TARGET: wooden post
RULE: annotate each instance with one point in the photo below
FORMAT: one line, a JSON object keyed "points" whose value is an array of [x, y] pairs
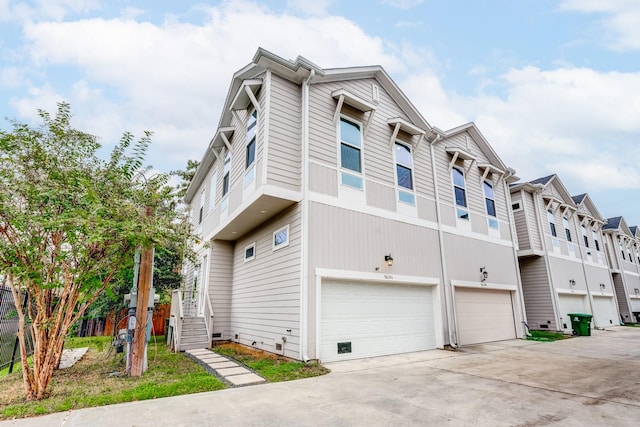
{"points": [[144, 285]]}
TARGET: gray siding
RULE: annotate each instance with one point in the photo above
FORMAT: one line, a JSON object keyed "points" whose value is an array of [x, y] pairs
{"points": [[520, 219], [537, 297], [465, 256], [220, 283], [266, 291], [284, 153]]}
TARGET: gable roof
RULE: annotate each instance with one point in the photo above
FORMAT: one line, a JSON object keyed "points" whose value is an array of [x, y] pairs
{"points": [[634, 230], [546, 181], [612, 223], [585, 200], [617, 225], [484, 146], [298, 71]]}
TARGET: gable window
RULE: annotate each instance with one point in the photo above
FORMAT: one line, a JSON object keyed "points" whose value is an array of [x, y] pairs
{"points": [[460, 193], [567, 230], [201, 209], [404, 174], [281, 237], [490, 203], [584, 236], [595, 240], [351, 154], [622, 251], [516, 206], [250, 252], [552, 224], [250, 155]]}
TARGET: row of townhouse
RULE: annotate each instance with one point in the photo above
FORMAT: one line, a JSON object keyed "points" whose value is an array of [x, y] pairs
{"points": [[571, 259], [337, 223]]}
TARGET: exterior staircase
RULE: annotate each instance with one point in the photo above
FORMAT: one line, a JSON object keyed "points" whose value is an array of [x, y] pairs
{"points": [[194, 334]]}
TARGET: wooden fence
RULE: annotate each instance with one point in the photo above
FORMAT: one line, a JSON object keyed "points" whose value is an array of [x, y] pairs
{"points": [[118, 320]]}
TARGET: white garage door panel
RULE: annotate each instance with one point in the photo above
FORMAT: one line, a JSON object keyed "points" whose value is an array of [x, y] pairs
{"points": [[604, 310], [377, 319], [572, 304], [635, 304], [484, 315]]}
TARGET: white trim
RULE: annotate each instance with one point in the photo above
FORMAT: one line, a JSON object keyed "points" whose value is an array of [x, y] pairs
{"points": [[571, 291], [376, 277], [477, 236], [360, 175], [398, 187], [246, 95], [252, 257], [519, 208], [283, 244], [602, 294], [485, 285]]}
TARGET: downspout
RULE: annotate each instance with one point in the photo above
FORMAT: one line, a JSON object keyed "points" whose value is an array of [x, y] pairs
{"points": [[514, 238], [448, 303], [304, 259], [552, 289]]}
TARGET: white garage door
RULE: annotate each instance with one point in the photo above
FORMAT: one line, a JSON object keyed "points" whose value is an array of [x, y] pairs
{"points": [[604, 312], [571, 304], [484, 315], [635, 304], [368, 319]]}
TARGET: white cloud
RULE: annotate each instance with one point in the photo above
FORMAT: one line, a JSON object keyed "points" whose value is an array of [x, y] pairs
{"points": [[310, 7], [620, 20], [57, 10]]}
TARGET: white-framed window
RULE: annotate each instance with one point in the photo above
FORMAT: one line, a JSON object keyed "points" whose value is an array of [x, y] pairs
{"points": [[490, 204], [622, 251], [250, 150], [596, 243], [351, 154], [585, 237], [213, 183], [250, 252], [201, 208], [459, 193], [281, 237], [226, 170], [404, 173], [517, 206], [567, 229], [552, 223]]}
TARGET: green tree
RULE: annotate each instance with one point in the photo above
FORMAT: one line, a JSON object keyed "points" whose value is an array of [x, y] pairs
{"points": [[69, 222]]}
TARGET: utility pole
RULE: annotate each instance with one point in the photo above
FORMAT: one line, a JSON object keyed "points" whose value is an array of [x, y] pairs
{"points": [[145, 277]]}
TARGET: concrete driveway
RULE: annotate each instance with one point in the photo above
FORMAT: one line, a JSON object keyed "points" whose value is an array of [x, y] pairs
{"points": [[583, 381]]}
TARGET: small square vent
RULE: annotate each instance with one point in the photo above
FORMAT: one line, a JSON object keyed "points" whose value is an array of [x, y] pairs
{"points": [[543, 326], [217, 335], [278, 346], [344, 347]]}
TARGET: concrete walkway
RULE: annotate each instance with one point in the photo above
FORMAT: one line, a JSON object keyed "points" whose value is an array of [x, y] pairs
{"points": [[224, 368]]}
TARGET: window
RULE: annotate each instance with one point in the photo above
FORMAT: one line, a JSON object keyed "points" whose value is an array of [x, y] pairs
{"points": [[250, 155], [567, 230], [351, 154], [489, 199], [281, 237], [552, 225], [622, 251], [225, 171], [516, 206], [250, 252], [460, 193], [201, 209], [404, 174], [585, 237], [595, 240]]}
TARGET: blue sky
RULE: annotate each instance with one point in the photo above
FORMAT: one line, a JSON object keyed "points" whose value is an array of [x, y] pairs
{"points": [[553, 85]]}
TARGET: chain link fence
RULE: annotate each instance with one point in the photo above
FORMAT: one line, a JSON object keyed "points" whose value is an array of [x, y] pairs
{"points": [[9, 347]]}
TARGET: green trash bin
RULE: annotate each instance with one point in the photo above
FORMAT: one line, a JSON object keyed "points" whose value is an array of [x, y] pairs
{"points": [[581, 324]]}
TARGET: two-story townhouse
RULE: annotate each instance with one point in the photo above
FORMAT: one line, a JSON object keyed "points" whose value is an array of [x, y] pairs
{"points": [[621, 244], [322, 200], [562, 264]]}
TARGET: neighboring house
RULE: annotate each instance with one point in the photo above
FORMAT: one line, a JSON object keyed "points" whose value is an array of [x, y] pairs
{"points": [[561, 254], [624, 257], [341, 225]]}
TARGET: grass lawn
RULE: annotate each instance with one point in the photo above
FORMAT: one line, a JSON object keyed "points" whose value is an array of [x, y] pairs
{"points": [[546, 336], [270, 366], [97, 380]]}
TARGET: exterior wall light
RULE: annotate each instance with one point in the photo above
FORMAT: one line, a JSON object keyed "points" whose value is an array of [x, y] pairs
{"points": [[602, 286], [572, 282], [484, 273], [389, 260]]}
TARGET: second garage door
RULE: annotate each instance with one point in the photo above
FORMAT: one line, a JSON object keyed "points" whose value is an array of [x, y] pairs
{"points": [[361, 319], [484, 315], [570, 303], [604, 311]]}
